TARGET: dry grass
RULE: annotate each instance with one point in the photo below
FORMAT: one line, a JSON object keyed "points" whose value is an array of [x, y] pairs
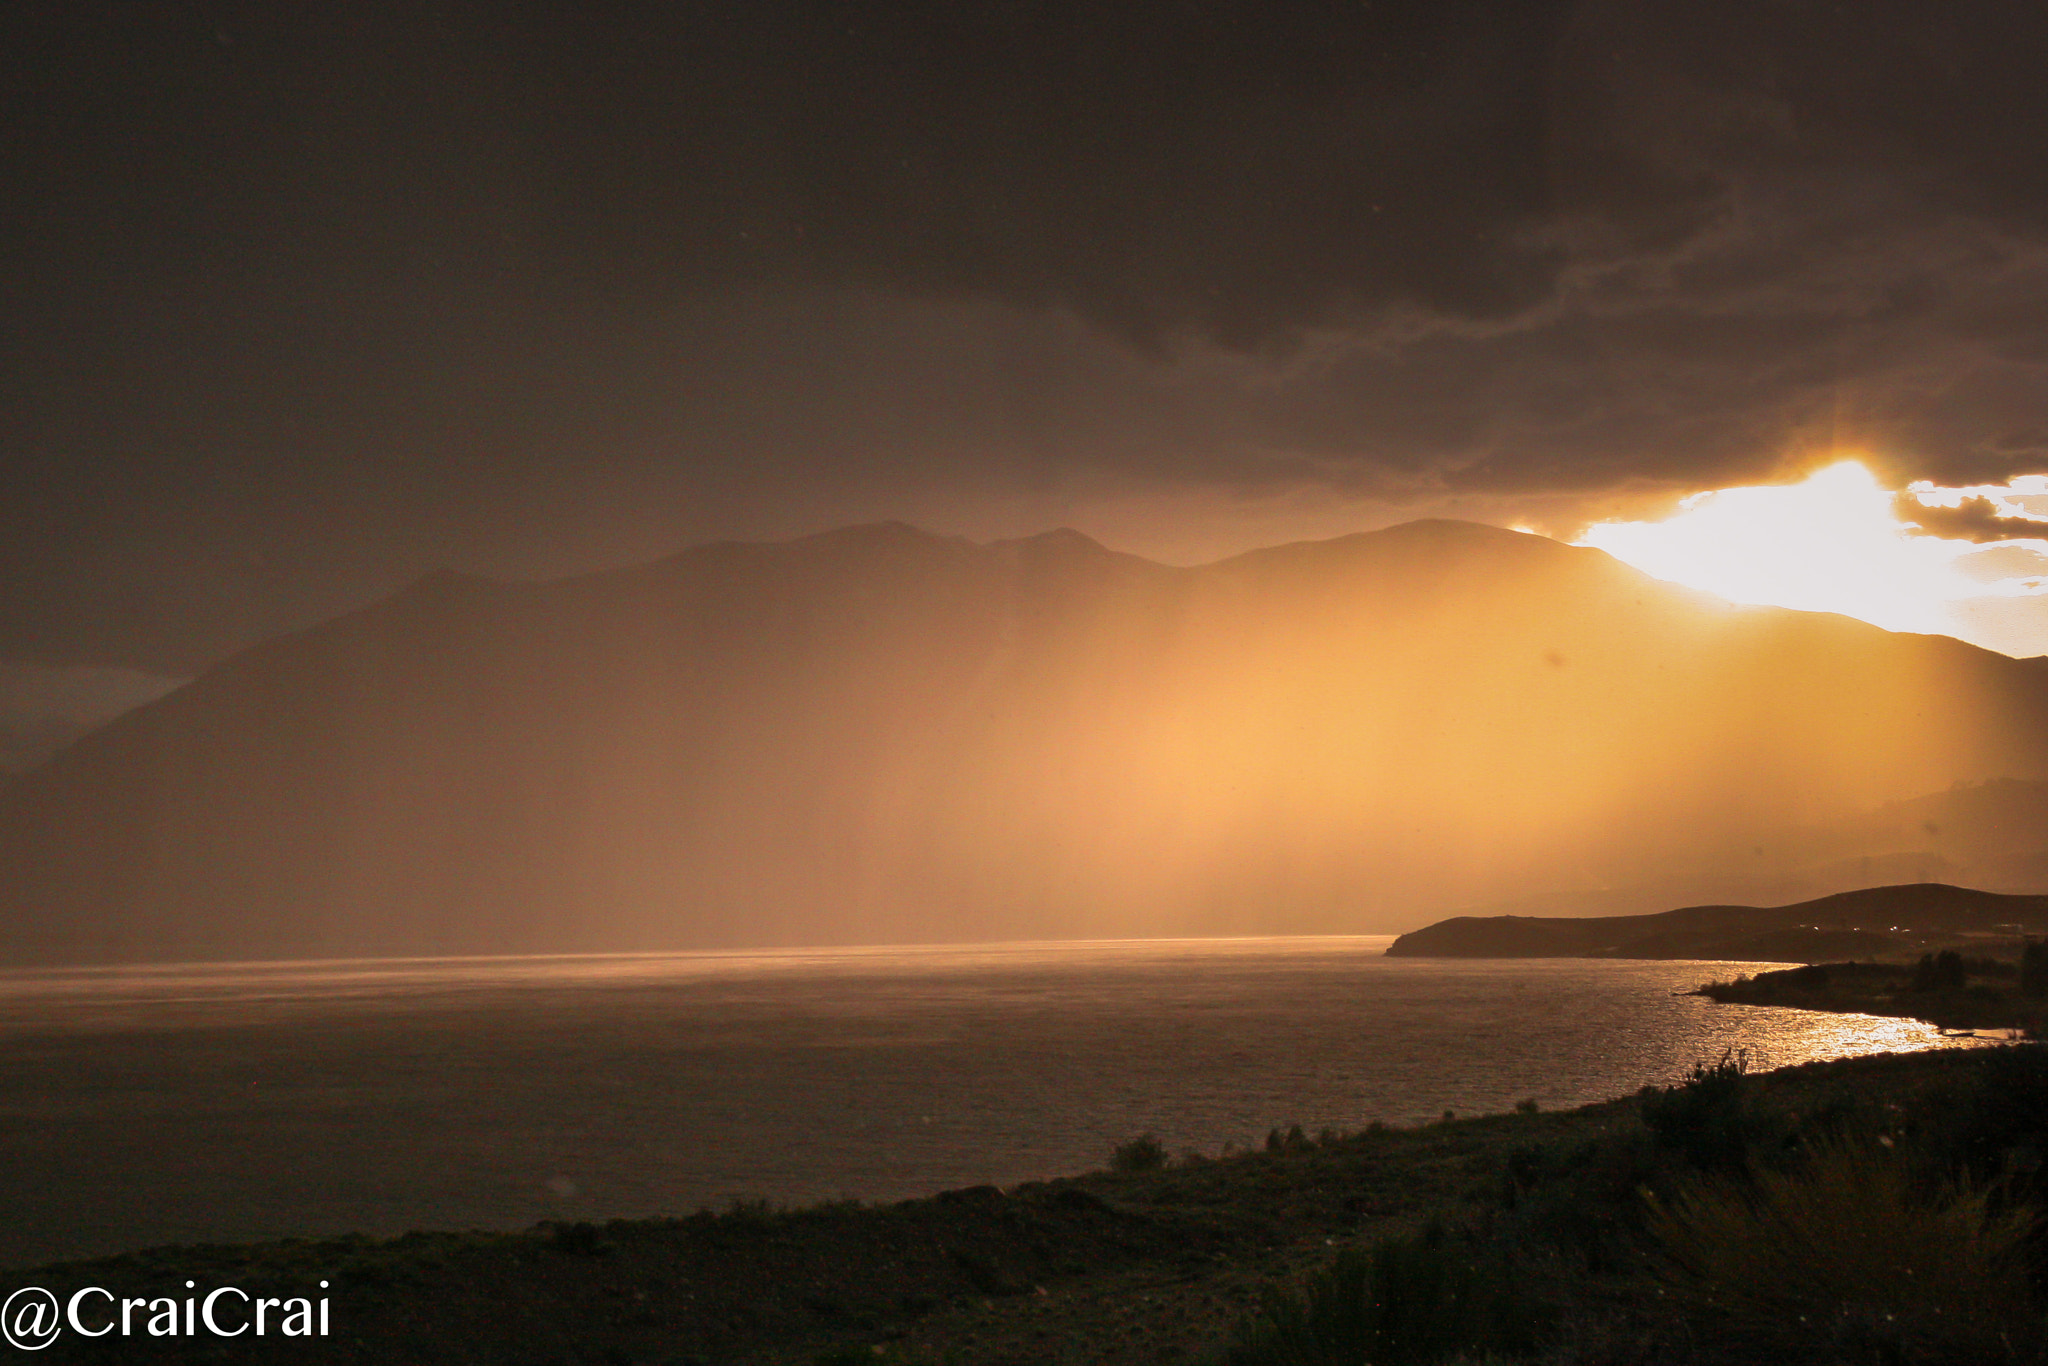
{"points": [[1849, 1258]]}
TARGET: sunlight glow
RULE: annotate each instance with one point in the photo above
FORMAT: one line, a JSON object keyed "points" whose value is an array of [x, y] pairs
{"points": [[1836, 542]]}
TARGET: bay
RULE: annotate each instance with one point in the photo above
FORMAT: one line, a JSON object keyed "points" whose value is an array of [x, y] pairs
{"points": [[229, 1102]]}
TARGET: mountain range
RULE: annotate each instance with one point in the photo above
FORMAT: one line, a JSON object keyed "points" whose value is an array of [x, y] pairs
{"points": [[884, 735]]}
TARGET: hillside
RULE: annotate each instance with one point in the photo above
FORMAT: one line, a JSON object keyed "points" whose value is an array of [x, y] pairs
{"points": [[1175, 1262], [882, 735], [1874, 922], [1992, 835]]}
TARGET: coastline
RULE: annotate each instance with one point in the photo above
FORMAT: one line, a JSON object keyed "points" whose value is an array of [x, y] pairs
{"points": [[1159, 1265], [1994, 1001]]}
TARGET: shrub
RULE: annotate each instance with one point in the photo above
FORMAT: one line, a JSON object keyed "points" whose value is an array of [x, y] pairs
{"points": [[1950, 973], [1849, 1260], [1936, 972], [1706, 1118], [2002, 1122], [1812, 977], [2034, 969], [1581, 1203], [1526, 1165], [1292, 1141], [584, 1238], [1142, 1154], [1401, 1302]]}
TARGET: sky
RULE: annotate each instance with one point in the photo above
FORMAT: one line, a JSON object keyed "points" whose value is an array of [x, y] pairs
{"points": [[1965, 562], [302, 302]]}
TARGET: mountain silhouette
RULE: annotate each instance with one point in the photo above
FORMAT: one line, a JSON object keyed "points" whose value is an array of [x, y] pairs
{"points": [[882, 735], [1871, 921]]}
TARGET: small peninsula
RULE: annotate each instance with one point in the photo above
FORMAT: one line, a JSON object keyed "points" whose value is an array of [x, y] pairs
{"points": [[1898, 923], [1948, 989]]}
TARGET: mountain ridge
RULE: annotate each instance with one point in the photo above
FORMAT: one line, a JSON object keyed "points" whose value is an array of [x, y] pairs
{"points": [[1867, 922], [881, 734]]}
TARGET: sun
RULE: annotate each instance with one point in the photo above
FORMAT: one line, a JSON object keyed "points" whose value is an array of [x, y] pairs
{"points": [[1840, 541]]}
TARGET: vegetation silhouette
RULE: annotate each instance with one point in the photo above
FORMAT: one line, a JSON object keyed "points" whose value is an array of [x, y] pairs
{"points": [[1875, 1210]]}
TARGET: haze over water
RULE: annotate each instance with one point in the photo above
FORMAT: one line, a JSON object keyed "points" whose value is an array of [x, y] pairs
{"points": [[141, 1106]]}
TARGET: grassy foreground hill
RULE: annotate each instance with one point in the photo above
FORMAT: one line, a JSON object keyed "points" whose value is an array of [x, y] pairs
{"points": [[1876, 1209]]}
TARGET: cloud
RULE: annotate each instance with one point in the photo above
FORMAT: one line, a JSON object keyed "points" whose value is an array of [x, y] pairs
{"points": [[400, 285], [1979, 519]]}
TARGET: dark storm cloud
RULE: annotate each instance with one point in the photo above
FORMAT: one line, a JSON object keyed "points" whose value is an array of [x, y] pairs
{"points": [[304, 300], [1974, 519]]}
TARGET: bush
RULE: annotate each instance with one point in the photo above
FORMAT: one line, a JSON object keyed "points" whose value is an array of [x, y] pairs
{"points": [[584, 1238], [1848, 1260], [1812, 977], [1401, 1302], [2034, 969], [1706, 1118], [1142, 1154], [1581, 1203], [2001, 1124], [1292, 1141], [1937, 972]]}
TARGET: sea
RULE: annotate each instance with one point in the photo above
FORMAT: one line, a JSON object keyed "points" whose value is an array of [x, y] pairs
{"points": [[141, 1106]]}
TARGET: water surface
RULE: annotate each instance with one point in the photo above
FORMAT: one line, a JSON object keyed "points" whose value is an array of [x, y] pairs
{"points": [[228, 1102]]}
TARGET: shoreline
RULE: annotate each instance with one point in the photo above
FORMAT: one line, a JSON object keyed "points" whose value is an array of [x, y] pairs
{"points": [[1159, 1265], [1993, 1001]]}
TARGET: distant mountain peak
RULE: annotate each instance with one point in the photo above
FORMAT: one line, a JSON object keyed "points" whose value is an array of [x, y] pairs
{"points": [[1062, 538], [1450, 533], [1430, 541], [1450, 526], [1060, 545]]}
